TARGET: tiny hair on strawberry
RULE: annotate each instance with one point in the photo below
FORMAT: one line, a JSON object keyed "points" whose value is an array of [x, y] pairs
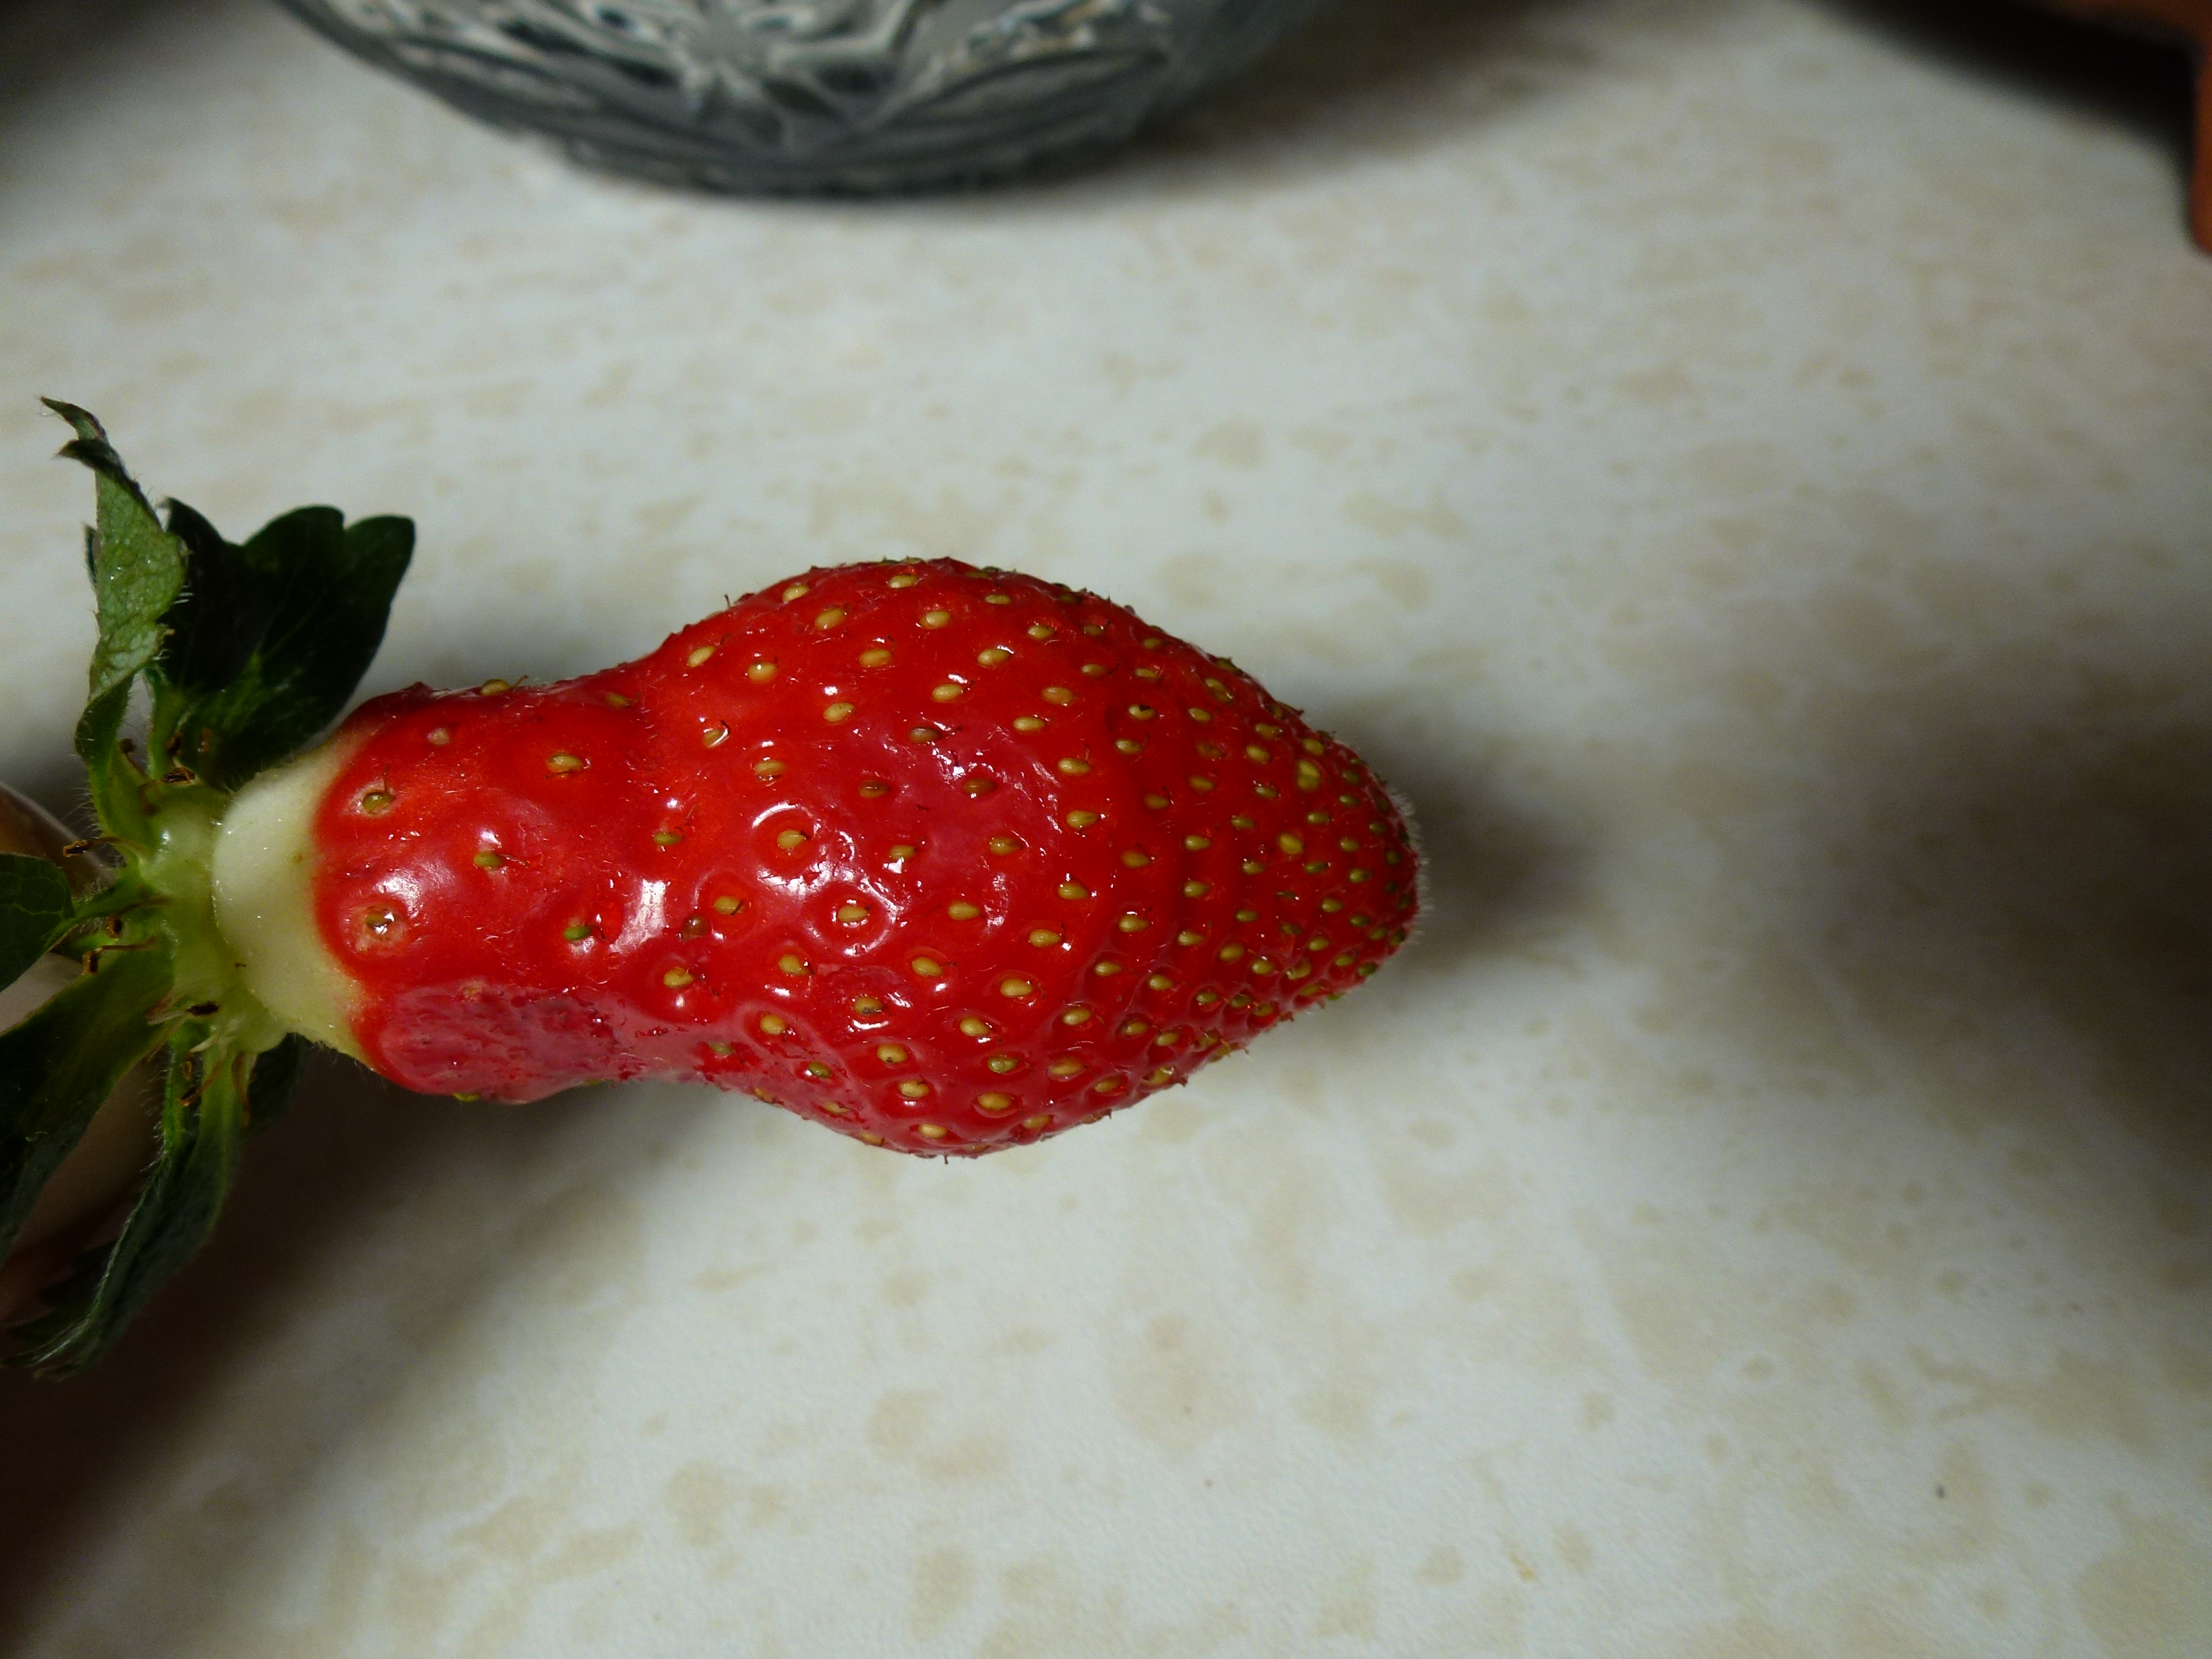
{"points": [[946, 859]]}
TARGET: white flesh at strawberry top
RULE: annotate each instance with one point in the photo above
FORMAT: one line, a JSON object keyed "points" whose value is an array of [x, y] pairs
{"points": [[118, 1144], [264, 868]]}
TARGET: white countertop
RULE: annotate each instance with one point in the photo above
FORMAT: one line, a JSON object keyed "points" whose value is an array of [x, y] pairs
{"points": [[1742, 475]]}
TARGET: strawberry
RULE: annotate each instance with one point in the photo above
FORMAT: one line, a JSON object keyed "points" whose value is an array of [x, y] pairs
{"points": [[947, 859]]}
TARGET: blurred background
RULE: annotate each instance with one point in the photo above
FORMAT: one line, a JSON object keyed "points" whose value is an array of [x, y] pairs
{"points": [[1736, 467]]}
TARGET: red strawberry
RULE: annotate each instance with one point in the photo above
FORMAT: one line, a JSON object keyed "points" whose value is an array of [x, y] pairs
{"points": [[950, 859]]}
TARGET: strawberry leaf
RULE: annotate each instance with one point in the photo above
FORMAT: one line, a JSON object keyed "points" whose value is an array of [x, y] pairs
{"points": [[59, 1064], [250, 650], [137, 569], [204, 1111], [35, 910], [271, 639], [275, 1076], [219, 616]]}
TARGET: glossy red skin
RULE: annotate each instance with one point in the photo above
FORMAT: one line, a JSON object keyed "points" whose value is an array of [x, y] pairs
{"points": [[469, 983]]}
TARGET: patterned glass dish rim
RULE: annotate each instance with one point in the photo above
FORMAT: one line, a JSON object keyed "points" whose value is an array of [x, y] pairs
{"points": [[814, 96]]}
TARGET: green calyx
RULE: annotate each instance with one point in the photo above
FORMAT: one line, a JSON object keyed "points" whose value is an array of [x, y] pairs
{"points": [[246, 653]]}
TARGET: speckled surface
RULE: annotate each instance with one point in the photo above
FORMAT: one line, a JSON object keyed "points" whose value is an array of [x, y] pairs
{"points": [[1738, 471]]}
